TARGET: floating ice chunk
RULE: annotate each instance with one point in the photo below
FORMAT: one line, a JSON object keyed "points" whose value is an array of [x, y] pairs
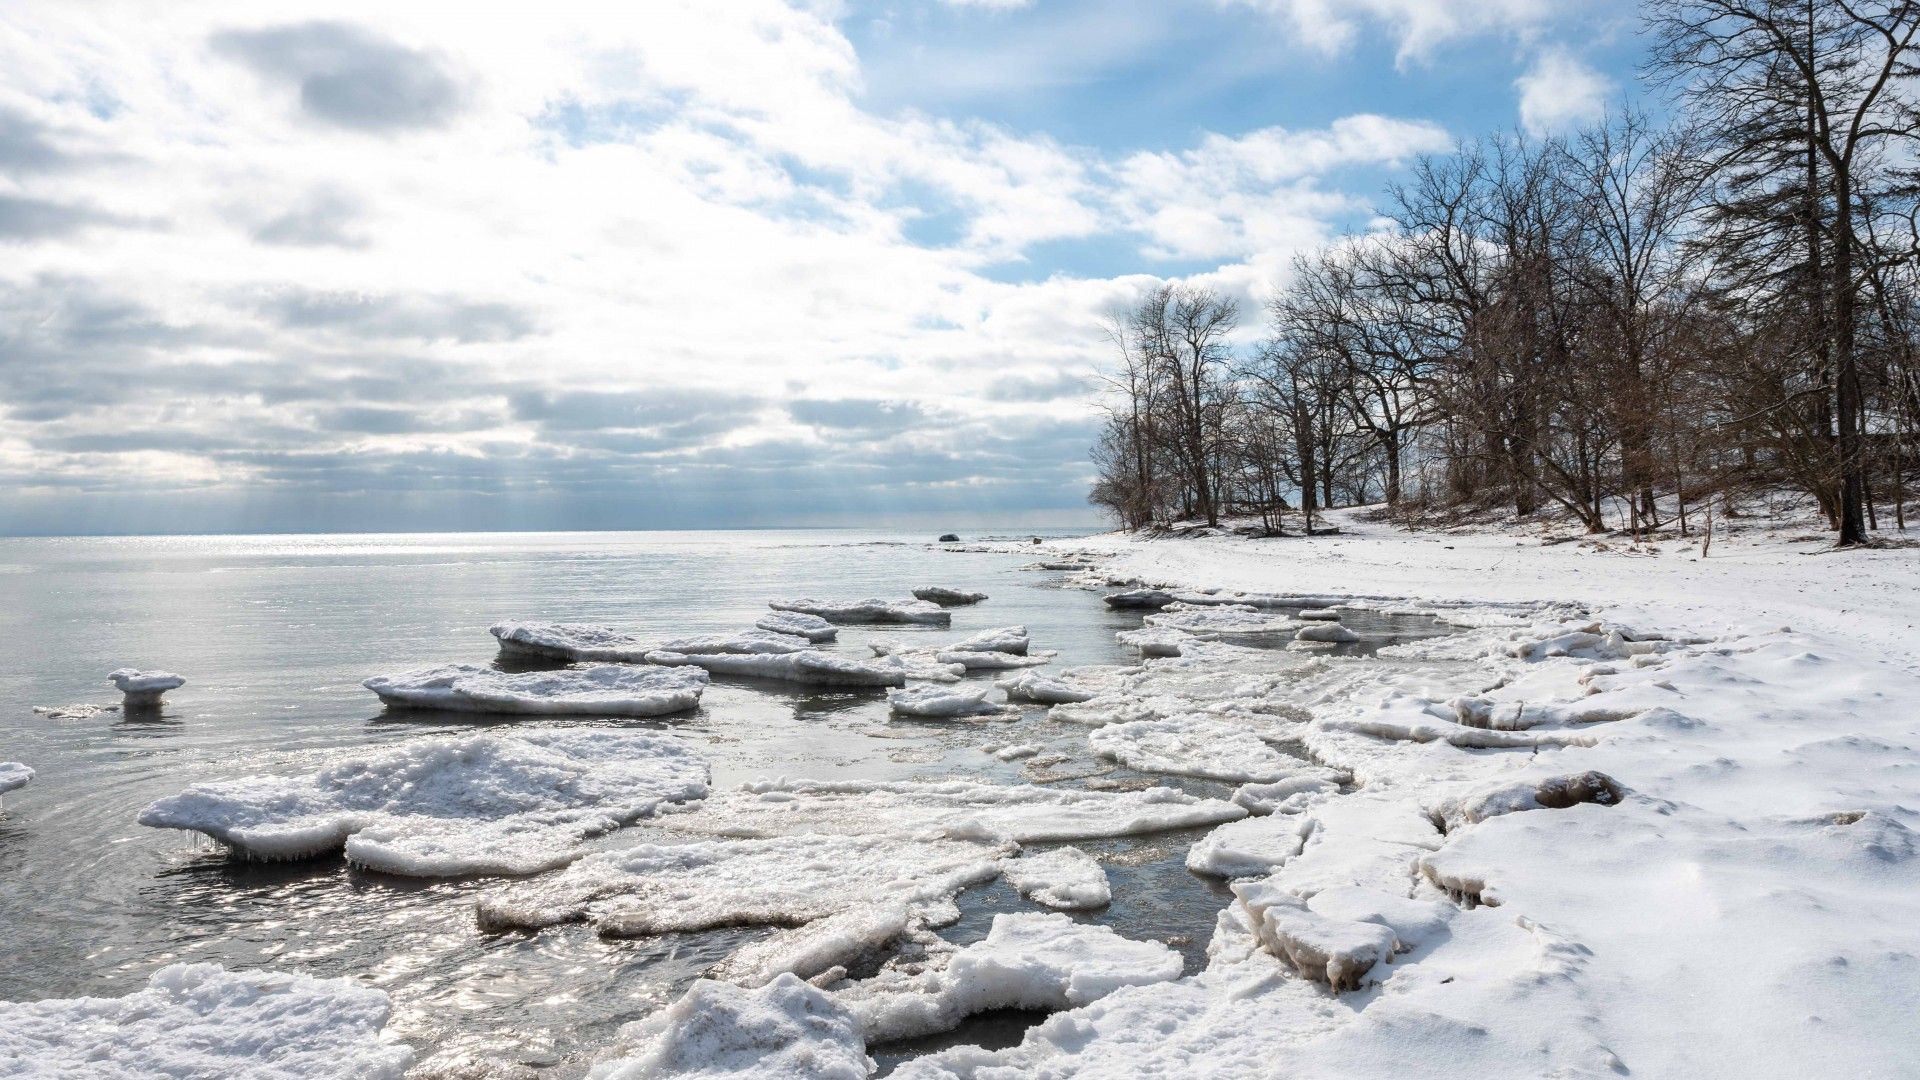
{"points": [[1291, 794], [200, 1020], [871, 610], [918, 664], [1511, 796], [13, 776], [948, 597], [992, 661], [1155, 641], [1193, 746], [785, 1030], [1042, 690], [808, 668], [945, 702], [572, 642], [812, 627], [595, 690], [1329, 949], [1252, 847], [1001, 639], [83, 711], [1322, 614], [1065, 878], [1027, 961], [786, 881], [745, 643], [1017, 751], [1220, 619], [484, 804], [1139, 598], [143, 688], [955, 809], [1326, 632]]}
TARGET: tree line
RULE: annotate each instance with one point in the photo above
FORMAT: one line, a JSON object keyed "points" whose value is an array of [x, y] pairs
{"points": [[1619, 324]]}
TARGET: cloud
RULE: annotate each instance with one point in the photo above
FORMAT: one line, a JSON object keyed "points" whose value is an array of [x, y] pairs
{"points": [[324, 217], [26, 218], [1560, 92], [25, 146], [1417, 26], [349, 76], [397, 316], [860, 415]]}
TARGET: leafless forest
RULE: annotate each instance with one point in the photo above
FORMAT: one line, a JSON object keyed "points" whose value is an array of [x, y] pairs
{"points": [[1619, 326]]}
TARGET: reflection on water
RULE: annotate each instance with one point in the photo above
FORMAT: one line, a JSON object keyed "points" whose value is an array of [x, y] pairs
{"points": [[274, 635]]}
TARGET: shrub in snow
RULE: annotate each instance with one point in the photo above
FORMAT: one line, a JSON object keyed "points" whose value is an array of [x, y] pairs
{"points": [[486, 804]]}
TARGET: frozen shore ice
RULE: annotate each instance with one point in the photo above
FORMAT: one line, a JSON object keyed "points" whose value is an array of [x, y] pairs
{"points": [[870, 610], [808, 668], [785, 1030]]}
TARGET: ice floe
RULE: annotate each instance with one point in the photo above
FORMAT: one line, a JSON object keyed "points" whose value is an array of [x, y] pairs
{"points": [[443, 807], [744, 643], [784, 1030], [1194, 746], [945, 597], [13, 776], [812, 627], [1139, 598], [1065, 878], [1250, 847], [1155, 641], [1027, 961], [144, 688], [593, 690], [1000, 639], [946, 702], [1326, 632], [1043, 689], [871, 610], [807, 667], [1221, 619], [952, 809], [202, 1021], [572, 642]]}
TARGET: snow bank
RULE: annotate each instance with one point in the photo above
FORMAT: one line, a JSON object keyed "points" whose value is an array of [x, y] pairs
{"points": [[871, 610], [202, 1021], [1065, 878], [1193, 746], [13, 776], [812, 627], [443, 807], [597, 690], [143, 688], [935, 594], [572, 642], [808, 668], [946, 702], [1026, 961], [718, 1031], [953, 809]]}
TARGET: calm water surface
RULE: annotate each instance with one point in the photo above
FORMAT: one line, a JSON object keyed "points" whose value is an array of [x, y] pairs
{"points": [[274, 635]]}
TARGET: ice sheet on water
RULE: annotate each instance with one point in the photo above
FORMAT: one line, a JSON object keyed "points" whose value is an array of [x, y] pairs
{"points": [[954, 809], [1221, 619], [569, 641], [594, 690], [1042, 689], [13, 776], [947, 702], [786, 881], [870, 610], [744, 643], [808, 668], [443, 807], [1195, 745], [1001, 639], [1065, 878], [144, 687], [1155, 641], [1028, 960], [1326, 633], [812, 627], [785, 1030], [945, 597], [200, 1020], [1252, 847]]}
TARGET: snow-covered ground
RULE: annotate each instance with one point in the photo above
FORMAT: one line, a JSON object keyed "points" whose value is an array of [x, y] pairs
{"points": [[1647, 814]]}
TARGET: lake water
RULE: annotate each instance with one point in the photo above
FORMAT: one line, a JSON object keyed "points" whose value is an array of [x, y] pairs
{"points": [[275, 634]]}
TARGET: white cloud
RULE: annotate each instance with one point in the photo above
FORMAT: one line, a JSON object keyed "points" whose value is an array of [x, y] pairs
{"points": [[1416, 26], [1560, 92], [229, 271]]}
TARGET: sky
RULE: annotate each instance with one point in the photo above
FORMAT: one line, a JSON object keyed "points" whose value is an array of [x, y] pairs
{"points": [[413, 266]]}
